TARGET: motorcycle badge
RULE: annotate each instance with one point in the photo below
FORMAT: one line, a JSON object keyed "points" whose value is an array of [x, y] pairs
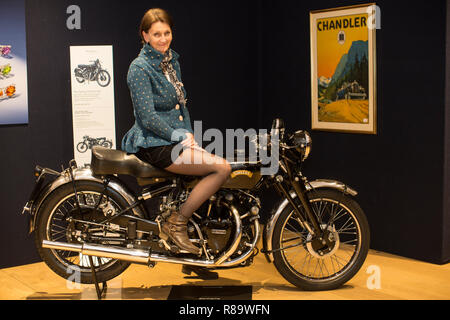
{"points": [[241, 172]]}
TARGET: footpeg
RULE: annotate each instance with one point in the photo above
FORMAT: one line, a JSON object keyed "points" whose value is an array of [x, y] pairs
{"points": [[170, 247]]}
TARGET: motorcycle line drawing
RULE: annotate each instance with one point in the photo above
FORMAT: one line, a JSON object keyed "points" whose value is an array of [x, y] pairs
{"points": [[86, 220], [92, 72], [89, 142]]}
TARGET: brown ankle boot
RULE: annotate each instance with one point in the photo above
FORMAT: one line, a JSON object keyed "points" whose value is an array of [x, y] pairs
{"points": [[176, 228]]}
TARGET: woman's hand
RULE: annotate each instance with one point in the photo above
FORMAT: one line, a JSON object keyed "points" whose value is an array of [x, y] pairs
{"points": [[189, 141]]}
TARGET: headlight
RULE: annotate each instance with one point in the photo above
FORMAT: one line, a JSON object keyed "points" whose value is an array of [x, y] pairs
{"points": [[302, 142]]}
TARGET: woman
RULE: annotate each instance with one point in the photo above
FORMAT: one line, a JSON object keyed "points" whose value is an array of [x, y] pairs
{"points": [[162, 121]]}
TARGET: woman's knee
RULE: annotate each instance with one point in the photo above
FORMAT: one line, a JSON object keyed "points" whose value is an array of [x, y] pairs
{"points": [[225, 169]]}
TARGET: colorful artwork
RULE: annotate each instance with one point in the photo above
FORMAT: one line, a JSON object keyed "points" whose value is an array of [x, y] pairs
{"points": [[13, 65], [342, 68]]}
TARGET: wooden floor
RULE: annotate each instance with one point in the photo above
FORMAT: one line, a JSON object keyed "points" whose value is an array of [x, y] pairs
{"points": [[382, 277]]}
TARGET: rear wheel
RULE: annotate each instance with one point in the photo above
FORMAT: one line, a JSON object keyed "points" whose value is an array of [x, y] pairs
{"points": [[82, 147], [58, 220], [322, 262]]}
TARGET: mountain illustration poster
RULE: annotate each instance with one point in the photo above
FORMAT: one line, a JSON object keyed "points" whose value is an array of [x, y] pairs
{"points": [[342, 69]]}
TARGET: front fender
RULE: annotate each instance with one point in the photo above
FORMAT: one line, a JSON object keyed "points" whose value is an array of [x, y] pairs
{"points": [[86, 174], [278, 209]]}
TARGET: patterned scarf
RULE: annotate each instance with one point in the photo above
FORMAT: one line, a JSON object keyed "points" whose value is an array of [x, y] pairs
{"points": [[171, 75]]}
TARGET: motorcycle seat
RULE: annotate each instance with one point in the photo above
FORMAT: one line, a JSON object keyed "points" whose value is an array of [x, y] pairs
{"points": [[109, 161]]}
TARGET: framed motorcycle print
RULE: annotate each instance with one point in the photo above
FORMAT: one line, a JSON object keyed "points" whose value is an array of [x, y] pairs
{"points": [[343, 65], [93, 105]]}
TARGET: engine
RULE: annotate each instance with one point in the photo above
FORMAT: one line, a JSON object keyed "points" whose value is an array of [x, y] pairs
{"points": [[217, 233], [217, 221]]}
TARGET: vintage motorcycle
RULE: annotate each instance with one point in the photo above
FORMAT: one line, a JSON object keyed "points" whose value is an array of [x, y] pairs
{"points": [[92, 72], [87, 220], [89, 142]]}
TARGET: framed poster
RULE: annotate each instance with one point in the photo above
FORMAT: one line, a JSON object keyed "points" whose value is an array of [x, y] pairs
{"points": [[93, 114], [13, 65], [343, 65]]}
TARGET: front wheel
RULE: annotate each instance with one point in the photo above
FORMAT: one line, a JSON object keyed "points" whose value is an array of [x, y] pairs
{"points": [[325, 262], [103, 78]]}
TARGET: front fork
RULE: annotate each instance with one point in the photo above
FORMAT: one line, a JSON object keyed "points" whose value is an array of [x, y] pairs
{"points": [[310, 221]]}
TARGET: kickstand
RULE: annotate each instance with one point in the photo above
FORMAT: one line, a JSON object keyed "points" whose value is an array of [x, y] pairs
{"points": [[101, 291]]}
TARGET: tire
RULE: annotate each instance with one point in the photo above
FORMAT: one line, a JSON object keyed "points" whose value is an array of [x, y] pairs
{"points": [[322, 266], [82, 147], [103, 78], [64, 263]]}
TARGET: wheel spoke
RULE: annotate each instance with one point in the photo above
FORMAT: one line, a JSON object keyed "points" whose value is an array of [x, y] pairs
{"points": [[291, 239], [292, 246], [349, 241]]}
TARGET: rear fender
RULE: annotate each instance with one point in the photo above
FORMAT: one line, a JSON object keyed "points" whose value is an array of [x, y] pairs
{"points": [[79, 174]]}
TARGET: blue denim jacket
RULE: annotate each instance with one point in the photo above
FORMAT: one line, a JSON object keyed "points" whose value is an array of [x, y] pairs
{"points": [[160, 119]]}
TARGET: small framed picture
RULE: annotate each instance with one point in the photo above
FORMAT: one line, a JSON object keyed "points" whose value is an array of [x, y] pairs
{"points": [[343, 65]]}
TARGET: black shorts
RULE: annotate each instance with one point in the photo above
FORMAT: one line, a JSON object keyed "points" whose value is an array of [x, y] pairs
{"points": [[160, 156]]}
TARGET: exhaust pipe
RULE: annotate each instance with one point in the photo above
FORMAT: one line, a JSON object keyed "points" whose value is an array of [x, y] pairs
{"points": [[130, 255], [146, 257]]}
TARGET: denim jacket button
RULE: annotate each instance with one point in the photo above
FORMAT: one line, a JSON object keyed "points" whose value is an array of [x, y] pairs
{"points": [[177, 106], [181, 118]]}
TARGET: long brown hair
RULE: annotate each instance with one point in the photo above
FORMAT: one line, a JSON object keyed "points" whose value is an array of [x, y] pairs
{"points": [[154, 15]]}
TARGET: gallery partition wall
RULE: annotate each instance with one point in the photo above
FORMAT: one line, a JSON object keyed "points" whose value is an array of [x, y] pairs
{"points": [[244, 63]]}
